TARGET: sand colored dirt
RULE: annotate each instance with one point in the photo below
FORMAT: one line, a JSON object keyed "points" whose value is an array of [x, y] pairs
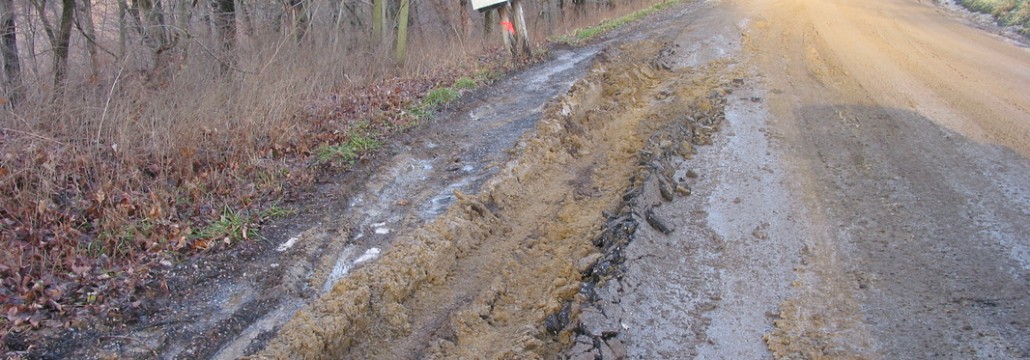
{"points": [[854, 83], [899, 54], [866, 198]]}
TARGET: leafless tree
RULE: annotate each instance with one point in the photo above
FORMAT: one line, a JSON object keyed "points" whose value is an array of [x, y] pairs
{"points": [[9, 50], [224, 17]]}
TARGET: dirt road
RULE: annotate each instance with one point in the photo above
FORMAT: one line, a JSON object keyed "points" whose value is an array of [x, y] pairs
{"points": [[920, 233], [867, 199], [736, 179]]}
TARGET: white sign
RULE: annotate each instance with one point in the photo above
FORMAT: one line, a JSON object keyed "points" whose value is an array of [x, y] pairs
{"points": [[481, 4]]}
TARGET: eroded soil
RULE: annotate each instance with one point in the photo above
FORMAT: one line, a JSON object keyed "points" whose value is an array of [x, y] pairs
{"points": [[480, 280], [730, 179]]}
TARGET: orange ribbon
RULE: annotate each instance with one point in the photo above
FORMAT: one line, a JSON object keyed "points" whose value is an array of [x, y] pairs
{"points": [[508, 26]]}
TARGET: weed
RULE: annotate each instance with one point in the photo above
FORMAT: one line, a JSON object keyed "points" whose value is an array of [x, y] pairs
{"points": [[465, 82], [347, 152], [487, 76], [1005, 12], [276, 211], [364, 143], [419, 113], [611, 24], [230, 226], [439, 96], [341, 152]]}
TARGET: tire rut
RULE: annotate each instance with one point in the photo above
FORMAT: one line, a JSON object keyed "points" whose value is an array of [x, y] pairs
{"points": [[483, 278]]}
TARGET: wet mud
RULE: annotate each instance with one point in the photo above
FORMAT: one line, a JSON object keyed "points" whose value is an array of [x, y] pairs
{"points": [[711, 184], [496, 274]]}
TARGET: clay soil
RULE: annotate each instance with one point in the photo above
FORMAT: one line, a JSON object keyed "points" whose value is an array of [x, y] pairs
{"points": [[748, 179]]}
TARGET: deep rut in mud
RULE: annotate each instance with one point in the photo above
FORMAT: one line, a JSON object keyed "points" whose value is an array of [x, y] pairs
{"points": [[489, 277]]}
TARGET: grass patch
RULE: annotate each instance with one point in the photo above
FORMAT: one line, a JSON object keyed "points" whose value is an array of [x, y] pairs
{"points": [[488, 75], [349, 151], [605, 26], [439, 96], [276, 210], [231, 227], [1005, 12], [465, 83]]}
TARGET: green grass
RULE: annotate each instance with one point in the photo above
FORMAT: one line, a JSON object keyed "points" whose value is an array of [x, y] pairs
{"points": [[349, 151], [439, 96], [588, 33], [276, 211], [231, 225], [1006, 12], [465, 82], [436, 98], [488, 75]]}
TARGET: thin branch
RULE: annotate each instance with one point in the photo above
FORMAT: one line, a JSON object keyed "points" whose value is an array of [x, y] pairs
{"points": [[41, 137], [107, 102], [218, 58], [90, 39], [40, 6], [274, 55]]}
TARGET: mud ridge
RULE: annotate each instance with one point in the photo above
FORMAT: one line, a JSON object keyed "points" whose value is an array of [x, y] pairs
{"points": [[483, 278], [588, 322]]}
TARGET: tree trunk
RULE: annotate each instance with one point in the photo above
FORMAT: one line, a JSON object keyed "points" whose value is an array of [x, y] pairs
{"points": [[123, 28], [9, 51], [224, 18], [155, 31], [183, 17], [522, 33], [578, 8], [59, 37], [248, 20], [488, 22], [508, 30], [463, 12], [402, 31], [61, 42], [378, 19], [301, 18], [85, 24], [353, 18]]}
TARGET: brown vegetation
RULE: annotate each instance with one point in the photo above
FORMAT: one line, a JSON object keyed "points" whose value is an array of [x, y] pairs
{"points": [[157, 130]]}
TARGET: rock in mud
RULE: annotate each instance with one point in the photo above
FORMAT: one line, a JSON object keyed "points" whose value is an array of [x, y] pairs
{"points": [[594, 323], [657, 223], [664, 190], [606, 352], [585, 264], [617, 347], [557, 322], [683, 190]]}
